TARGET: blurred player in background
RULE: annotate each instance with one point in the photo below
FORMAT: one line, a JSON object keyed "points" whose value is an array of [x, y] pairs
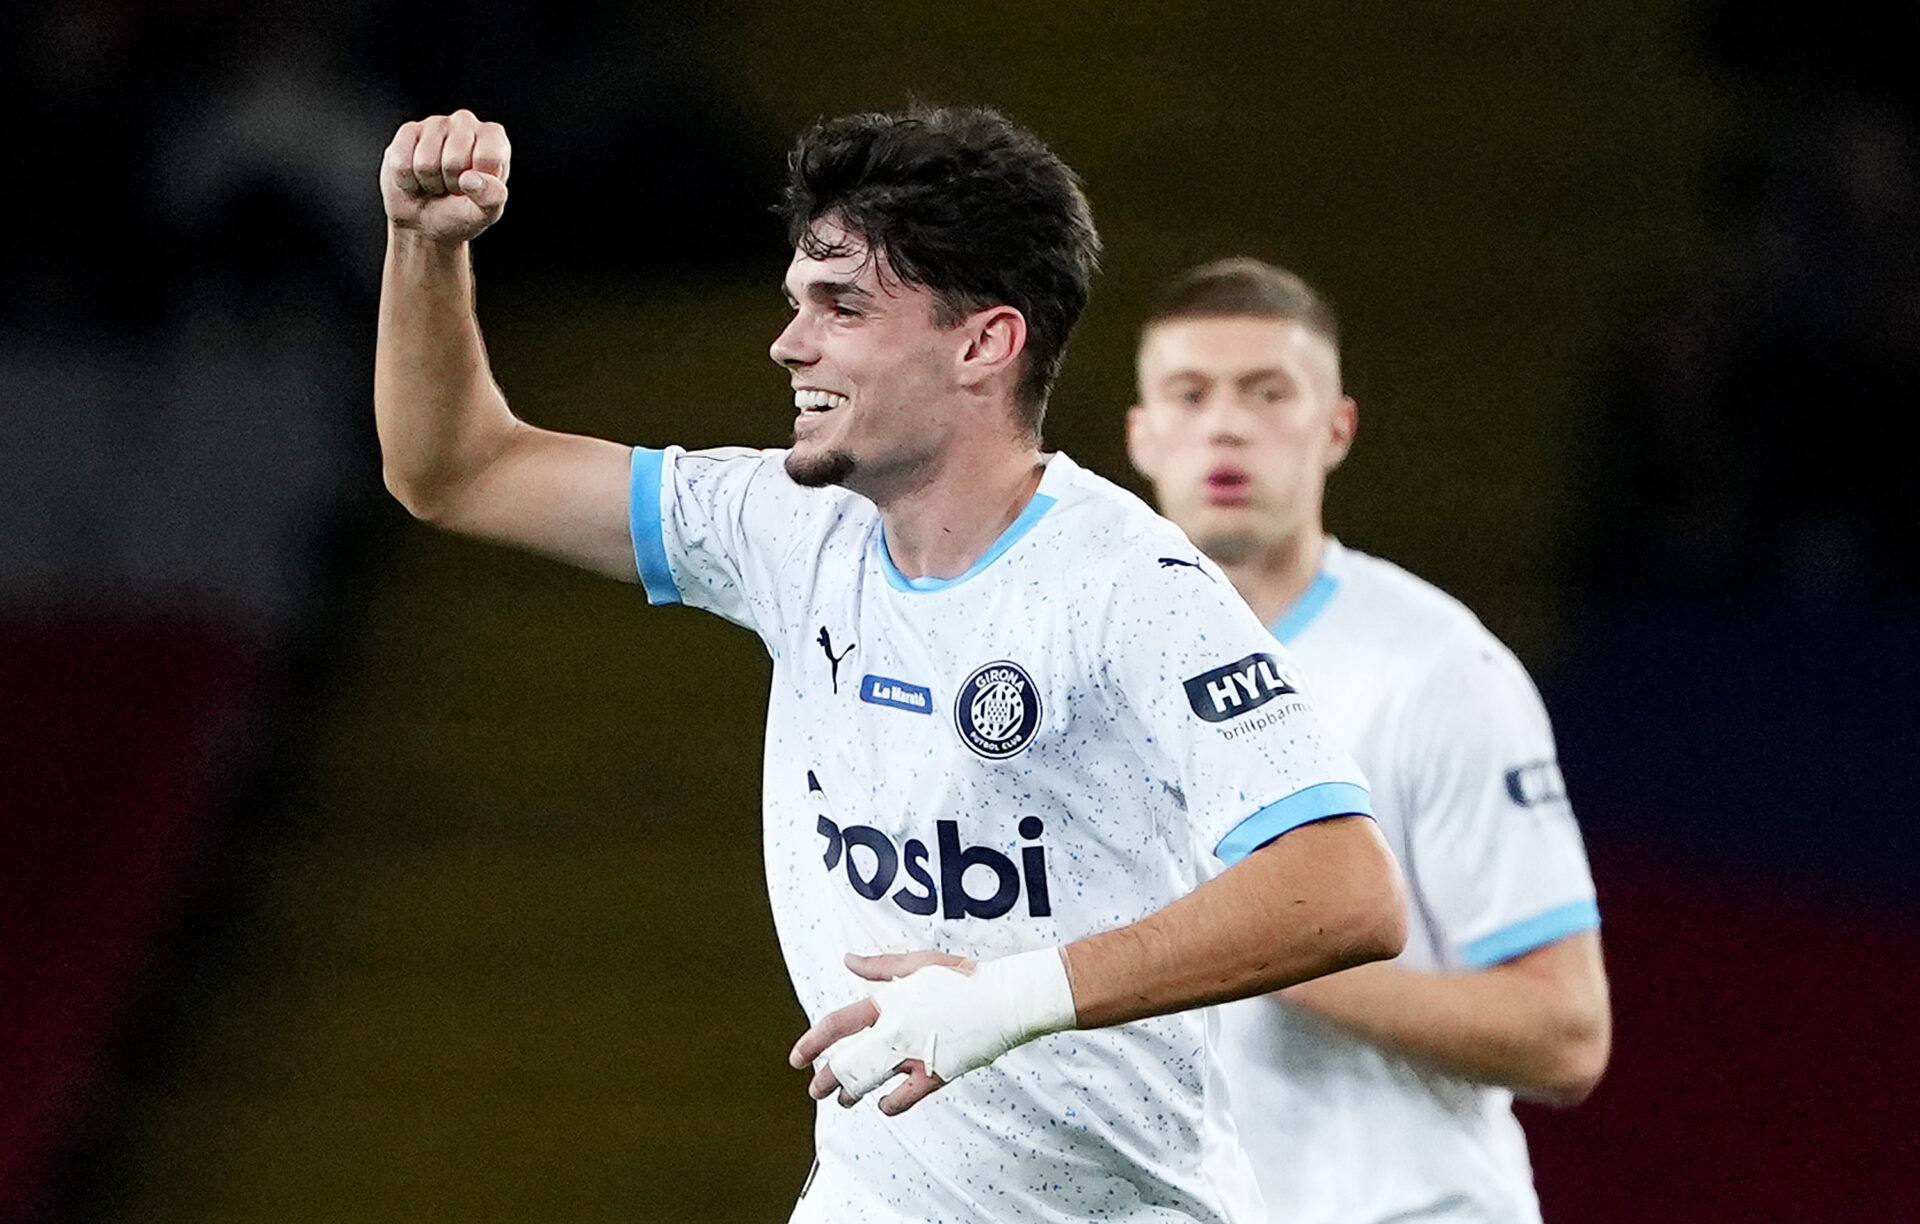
{"points": [[1384, 1092], [1025, 749]]}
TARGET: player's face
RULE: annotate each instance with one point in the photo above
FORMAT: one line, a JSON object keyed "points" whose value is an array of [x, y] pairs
{"points": [[1238, 424], [872, 372]]}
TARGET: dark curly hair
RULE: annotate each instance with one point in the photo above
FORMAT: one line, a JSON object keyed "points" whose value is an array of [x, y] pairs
{"points": [[965, 204]]}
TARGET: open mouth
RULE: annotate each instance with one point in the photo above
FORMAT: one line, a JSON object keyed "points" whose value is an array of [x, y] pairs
{"points": [[1228, 486], [811, 402]]}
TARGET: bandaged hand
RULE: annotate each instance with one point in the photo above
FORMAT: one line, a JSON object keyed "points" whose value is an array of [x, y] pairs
{"points": [[934, 1022]]}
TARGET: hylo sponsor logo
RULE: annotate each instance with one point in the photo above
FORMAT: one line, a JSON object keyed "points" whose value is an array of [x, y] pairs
{"points": [[1535, 783], [1239, 687]]}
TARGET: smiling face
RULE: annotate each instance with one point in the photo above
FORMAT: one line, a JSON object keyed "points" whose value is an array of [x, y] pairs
{"points": [[875, 376], [1240, 419]]}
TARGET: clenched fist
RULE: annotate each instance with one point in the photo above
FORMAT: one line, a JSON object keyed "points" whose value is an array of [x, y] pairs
{"points": [[446, 176]]}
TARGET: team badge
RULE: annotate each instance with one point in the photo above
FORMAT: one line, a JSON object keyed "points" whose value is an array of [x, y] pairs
{"points": [[997, 711]]}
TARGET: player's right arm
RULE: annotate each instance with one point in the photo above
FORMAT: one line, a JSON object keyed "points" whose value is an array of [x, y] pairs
{"points": [[1321, 898], [452, 451], [1309, 885]]}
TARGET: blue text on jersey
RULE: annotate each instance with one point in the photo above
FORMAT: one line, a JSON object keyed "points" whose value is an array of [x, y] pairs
{"points": [[886, 691]]}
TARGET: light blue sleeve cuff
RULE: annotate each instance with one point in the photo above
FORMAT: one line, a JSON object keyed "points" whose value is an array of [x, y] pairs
{"points": [[649, 537], [1530, 933], [1322, 802]]}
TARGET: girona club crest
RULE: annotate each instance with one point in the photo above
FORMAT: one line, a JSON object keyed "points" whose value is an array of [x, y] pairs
{"points": [[997, 711]]}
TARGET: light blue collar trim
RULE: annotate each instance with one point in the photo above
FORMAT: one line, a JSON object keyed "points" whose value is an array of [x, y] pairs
{"points": [[1312, 602], [1036, 508]]}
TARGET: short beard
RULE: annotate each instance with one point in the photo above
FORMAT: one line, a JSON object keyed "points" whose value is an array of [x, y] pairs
{"points": [[833, 468], [1229, 547]]}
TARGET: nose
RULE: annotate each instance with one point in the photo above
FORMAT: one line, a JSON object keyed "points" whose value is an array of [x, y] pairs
{"points": [[791, 349], [1225, 418]]}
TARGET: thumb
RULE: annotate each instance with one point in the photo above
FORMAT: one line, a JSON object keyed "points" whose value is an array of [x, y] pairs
{"points": [[484, 189]]}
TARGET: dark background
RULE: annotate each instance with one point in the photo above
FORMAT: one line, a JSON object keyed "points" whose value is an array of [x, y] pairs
{"points": [[349, 871]]}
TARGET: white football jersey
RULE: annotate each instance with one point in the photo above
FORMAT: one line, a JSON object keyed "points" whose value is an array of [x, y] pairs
{"points": [[1455, 741], [1071, 735]]}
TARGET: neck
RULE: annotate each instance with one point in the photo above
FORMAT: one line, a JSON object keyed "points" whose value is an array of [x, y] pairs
{"points": [[1273, 580], [939, 528]]}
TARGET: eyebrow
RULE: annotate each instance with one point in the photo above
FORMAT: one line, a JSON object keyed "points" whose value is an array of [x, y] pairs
{"points": [[828, 291], [1264, 374], [1244, 379]]}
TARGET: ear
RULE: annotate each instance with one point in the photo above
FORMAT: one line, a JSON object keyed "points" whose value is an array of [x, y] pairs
{"points": [[995, 338], [1140, 448], [1341, 429]]}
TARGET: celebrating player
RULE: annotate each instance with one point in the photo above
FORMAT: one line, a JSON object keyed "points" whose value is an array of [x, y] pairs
{"points": [[1381, 1093], [1027, 753]]}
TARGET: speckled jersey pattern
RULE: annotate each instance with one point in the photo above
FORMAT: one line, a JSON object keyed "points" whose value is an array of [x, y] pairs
{"points": [[1467, 791], [1076, 732]]}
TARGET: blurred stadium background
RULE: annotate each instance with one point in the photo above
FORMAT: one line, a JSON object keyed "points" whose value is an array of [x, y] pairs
{"points": [[348, 872]]}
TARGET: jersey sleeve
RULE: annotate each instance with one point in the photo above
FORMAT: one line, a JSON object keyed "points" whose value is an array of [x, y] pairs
{"points": [[712, 529], [1494, 854], [1222, 709]]}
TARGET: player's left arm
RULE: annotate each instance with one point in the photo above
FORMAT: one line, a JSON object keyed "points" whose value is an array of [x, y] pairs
{"points": [[1322, 897], [1503, 884], [1539, 1024]]}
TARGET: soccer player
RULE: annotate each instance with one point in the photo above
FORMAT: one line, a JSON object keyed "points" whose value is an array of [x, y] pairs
{"points": [[1381, 1093], [1031, 765]]}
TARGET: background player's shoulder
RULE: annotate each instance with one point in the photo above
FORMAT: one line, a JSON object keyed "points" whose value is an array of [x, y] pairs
{"points": [[1404, 614]]}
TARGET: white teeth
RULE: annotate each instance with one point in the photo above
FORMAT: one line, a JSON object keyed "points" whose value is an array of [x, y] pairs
{"points": [[809, 400]]}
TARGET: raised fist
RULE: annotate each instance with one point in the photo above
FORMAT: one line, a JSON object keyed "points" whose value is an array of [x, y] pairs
{"points": [[446, 176]]}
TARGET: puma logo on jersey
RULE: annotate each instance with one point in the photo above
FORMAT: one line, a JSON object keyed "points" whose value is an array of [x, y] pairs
{"points": [[826, 644], [1233, 690], [934, 880], [1170, 562]]}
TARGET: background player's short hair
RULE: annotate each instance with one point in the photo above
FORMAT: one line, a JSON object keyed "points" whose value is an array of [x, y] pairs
{"points": [[964, 203], [1244, 287]]}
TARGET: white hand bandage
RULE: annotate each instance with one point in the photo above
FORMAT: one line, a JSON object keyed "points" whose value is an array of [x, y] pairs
{"points": [[954, 1022]]}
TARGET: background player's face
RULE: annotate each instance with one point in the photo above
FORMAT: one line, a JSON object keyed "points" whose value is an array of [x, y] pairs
{"points": [[1238, 424], [874, 377]]}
